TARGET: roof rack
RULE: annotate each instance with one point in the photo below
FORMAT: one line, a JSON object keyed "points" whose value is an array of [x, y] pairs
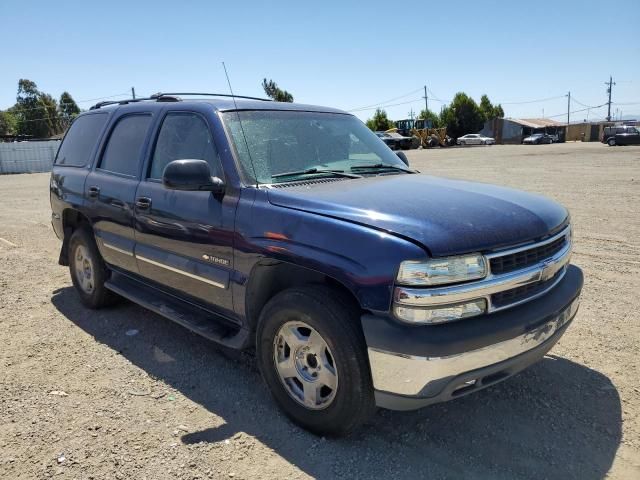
{"points": [[163, 94], [171, 97]]}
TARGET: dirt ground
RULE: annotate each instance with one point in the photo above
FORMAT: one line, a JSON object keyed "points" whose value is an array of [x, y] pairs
{"points": [[123, 393]]}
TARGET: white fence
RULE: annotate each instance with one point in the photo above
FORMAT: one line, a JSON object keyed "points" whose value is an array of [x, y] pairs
{"points": [[27, 157]]}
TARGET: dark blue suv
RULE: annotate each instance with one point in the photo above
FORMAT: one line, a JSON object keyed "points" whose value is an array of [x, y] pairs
{"points": [[295, 231]]}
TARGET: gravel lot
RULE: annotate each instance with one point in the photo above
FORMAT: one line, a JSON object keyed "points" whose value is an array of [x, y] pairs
{"points": [[144, 398]]}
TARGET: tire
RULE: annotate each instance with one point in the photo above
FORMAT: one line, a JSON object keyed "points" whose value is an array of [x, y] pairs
{"points": [[340, 396], [611, 142], [462, 143], [88, 270]]}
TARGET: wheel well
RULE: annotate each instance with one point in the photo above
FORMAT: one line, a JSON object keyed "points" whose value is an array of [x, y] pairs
{"points": [[270, 278], [71, 221]]}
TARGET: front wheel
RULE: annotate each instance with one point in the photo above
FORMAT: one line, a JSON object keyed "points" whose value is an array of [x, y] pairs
{"points": [[611, 142], [312, 356]]}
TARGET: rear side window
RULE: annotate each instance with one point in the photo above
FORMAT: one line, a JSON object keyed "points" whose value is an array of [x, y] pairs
{"points": [[81, 139], [124, 148], [184, 135]]}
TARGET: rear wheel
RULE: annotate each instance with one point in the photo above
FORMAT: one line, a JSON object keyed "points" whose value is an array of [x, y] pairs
{"points": [[312, 356], [88, 271], [611, 142]]}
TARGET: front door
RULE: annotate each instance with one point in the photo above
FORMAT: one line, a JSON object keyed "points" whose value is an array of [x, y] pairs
{"points": [[110, 190], [184, 240]]}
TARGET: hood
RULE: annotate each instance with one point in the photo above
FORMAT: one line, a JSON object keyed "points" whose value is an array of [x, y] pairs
{"points": [[445, 216]]}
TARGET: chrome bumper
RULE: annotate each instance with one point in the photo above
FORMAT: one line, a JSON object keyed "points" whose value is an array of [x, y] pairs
{"points": [[407, 375], [554, 266]]}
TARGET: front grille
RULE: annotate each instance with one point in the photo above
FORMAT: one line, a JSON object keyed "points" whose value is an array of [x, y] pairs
{"points": [[514, 295], [525, 258]]}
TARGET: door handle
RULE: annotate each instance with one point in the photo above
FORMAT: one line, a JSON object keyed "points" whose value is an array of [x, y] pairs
{"points": [[94, 191], [143, 203]]}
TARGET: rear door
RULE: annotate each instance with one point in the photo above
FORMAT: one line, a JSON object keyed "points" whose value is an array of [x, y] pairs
{"points": [[184, 240], [110, 189]]}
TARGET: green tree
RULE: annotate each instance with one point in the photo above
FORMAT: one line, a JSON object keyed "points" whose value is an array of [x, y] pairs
{"points": [[274, 92], [380, 121], [68, 108], [432, 116], [490, 111], [8, 123], [462, 116], [37, 112]]}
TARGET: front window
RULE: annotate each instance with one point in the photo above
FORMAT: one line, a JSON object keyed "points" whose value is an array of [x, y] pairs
{"points": [[270, 143]]}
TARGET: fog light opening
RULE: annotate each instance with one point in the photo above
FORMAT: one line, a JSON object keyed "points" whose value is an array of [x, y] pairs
{"points": [[465, 387]]}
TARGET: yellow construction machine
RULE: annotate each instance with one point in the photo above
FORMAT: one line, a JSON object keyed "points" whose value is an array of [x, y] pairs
{"points": [[423, 131]]}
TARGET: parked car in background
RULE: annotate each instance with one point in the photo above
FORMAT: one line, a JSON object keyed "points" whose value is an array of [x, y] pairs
{"points": [[629, 137], [395, 141], [537, 138], [388, 140], [609, 133], [475, 139], [405, 143]]}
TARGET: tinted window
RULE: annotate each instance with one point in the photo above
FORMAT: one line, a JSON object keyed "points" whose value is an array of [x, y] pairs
{"points": [[80, 140], [124, 148], [182, 136]]}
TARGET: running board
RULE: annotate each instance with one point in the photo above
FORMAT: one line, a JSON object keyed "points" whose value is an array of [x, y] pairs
{"points": [[196, 319]]}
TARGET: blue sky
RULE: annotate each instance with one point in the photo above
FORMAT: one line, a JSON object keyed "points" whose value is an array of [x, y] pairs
{"points": [[336, 53]]}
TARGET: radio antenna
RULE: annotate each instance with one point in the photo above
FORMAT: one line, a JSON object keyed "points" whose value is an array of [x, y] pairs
{"points": [[240, 123]]}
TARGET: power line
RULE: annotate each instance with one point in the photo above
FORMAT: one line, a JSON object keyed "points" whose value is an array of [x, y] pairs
{"points": [[20, 109], [386, 105], [126, 94], [368, 107], [435, 97], [533, 101], [575, 111], [581, 104]]}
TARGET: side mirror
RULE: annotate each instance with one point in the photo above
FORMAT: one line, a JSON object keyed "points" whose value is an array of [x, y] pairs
{"points": [[402, 157], [191, 175]]}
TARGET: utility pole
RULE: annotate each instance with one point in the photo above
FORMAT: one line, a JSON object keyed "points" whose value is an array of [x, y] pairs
{"points": [[426, 100], [610, 83], [568, 106], [133, 92], [411, 114]]}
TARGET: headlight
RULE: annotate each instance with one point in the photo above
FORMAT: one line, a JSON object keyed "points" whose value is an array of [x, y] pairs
{"points": [[440, 313], [438, 271]]}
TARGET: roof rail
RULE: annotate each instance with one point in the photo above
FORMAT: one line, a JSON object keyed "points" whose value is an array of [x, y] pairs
{"points": [[162, 94], [170, 97], [118, 102]]}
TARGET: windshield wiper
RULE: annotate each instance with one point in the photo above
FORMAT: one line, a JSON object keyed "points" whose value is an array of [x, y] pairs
{"points": [[310, 171], [382, 166]]}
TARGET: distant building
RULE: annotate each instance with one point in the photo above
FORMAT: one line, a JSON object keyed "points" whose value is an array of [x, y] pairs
{"points": [[592, 131], [514, 130]]}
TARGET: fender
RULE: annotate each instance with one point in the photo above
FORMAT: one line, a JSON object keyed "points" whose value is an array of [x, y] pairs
{"points": [[366, 264]]}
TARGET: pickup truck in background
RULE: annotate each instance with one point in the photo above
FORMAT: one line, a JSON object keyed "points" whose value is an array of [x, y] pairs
{"points": [[294, 231]]}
